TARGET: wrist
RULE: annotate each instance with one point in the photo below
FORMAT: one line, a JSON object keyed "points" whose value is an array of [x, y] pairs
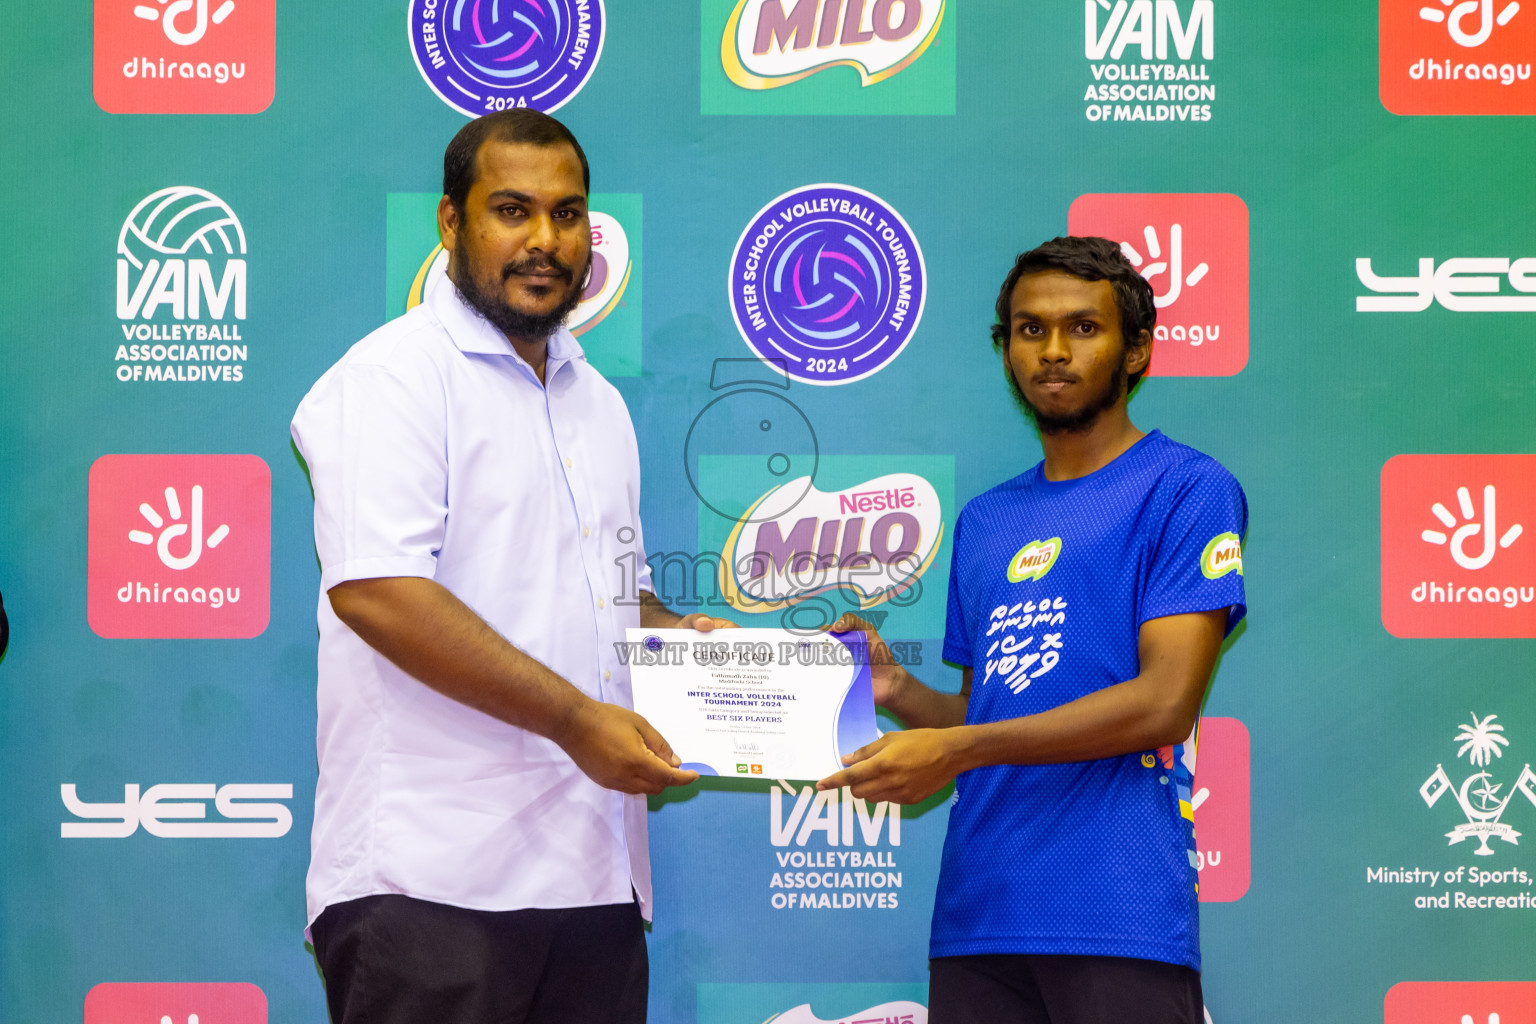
{"points": [[570, 722], [960, 748]]}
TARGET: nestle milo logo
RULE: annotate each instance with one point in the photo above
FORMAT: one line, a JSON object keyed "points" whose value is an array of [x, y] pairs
{"points": [[872, 541], [1034, 560], [1222, 555]]}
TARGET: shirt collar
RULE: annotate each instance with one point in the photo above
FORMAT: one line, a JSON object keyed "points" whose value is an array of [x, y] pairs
{"points": [[471, 332]]}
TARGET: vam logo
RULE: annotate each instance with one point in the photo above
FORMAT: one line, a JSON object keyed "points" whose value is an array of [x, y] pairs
{"points": [[184, 56], [827, 284], [1464, 284], [175, 1003], [873, 541], [1157, 89], [1481, 741], [486, 55], [177, 811], [1222, 555], [1193, 250], [1456, 57], [181, 289], [850, 867], [766, 46], [1452, 560], [1034, 560], [179, 546]]}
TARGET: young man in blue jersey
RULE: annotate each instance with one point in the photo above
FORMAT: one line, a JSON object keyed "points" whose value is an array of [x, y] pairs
{"points": [[1088, 600]]}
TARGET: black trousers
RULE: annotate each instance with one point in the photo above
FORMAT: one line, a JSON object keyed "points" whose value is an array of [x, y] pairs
{"points": [[397, 960], [1052, 989]]}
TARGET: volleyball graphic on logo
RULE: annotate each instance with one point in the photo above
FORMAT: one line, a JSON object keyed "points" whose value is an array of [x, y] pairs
{"points": [[180, 221], [481, 56], [827, 282]]}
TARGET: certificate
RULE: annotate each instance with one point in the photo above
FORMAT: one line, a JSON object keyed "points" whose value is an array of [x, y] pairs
{"points": [[764, 702]]}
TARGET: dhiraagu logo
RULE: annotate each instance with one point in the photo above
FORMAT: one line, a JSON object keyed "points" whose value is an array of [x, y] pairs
{"points": [[1222, 555], [1034, 560]]}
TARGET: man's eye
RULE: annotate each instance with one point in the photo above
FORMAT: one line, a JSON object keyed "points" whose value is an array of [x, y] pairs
{"points": [[1087, 327]]}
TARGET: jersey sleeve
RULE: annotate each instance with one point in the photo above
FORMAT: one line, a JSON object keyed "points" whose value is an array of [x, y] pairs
{"points": [[1197, 558], [957, 627], [373, 439]]}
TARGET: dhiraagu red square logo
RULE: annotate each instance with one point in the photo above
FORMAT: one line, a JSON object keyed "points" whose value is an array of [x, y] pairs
{"points": [[1458, 549], [1193, 249], [179, 546], [1457, 56], [1221, 808], [184, 56], [1461, 1002], [178, 1003]]}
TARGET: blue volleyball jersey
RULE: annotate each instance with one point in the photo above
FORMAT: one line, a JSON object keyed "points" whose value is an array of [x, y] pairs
{"points": [[1050, 584]]}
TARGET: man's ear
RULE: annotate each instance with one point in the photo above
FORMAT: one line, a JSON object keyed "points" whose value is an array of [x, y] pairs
{"points": [[447, 223], [1138, 355]]}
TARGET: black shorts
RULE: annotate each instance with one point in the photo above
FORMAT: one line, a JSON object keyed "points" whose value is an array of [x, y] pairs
{"points": [[397, 960], [1058, 989]]}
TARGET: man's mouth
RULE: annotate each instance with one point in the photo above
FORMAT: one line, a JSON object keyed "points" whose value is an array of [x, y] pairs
{"points": [[1055, 382], [538, 272]]}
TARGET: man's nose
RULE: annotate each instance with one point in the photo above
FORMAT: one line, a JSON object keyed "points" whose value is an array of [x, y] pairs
{"points": [[541, 233], [1056, 349]]}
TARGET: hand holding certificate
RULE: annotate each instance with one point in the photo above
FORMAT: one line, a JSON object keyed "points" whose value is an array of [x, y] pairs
{"points": [[764, 702]]}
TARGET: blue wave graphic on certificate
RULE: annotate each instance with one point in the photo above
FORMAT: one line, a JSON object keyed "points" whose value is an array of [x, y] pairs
{"points": [[854, 725]]}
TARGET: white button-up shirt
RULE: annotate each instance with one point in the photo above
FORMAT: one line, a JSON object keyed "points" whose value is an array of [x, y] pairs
{"points": [[434, 451]]}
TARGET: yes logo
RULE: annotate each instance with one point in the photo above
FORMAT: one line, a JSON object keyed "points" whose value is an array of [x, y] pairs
{"points": [[1193, 250], [176, 1003], [1461, 1002], [1034, 560], [1222, 555], [185, 56], [1220, 805], [1453, 561], [1456, 57], [179, 546]]}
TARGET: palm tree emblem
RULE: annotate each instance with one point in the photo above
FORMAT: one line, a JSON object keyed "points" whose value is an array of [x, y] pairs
{"points": [[1482, 739]]}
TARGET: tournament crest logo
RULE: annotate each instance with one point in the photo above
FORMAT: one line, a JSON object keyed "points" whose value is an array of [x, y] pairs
{"points": [[827, 284], [1478, 796], [765, 46], [481, 56]]}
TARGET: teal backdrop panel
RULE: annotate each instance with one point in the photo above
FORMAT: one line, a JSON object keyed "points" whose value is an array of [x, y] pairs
{"points": [[192, 248]]}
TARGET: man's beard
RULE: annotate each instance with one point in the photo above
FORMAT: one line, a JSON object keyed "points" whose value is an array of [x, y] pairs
{"points": [[1073, 422], [514, 323]]}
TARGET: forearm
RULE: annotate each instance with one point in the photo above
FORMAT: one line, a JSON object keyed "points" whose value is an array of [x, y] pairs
{"points": [[1132, 716], [920, 706], [435, 638], [655, 615]]}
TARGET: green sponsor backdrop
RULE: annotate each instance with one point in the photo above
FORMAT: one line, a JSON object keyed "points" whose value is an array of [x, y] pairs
{"points": [[1346, 721]]}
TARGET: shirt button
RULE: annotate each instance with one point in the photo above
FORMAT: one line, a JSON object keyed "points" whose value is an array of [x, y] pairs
{"points": [[601, 603], [586, 531], [607, 676], [569, 463]]}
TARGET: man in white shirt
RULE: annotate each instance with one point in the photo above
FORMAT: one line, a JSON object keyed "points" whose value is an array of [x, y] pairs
{"points": [[479, 848]]}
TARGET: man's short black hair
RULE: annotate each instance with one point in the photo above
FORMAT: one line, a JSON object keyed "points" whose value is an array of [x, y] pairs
{"points": [[1092, 259], [519, 125]]}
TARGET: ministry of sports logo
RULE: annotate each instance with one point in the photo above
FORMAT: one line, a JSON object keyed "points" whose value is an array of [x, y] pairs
{"points": [[485, 55], [181, 289], [1481, 800], [827, 284]]}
